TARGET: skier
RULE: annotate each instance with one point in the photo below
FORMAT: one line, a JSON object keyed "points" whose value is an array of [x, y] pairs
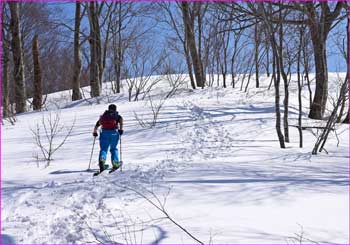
{"points": [[112, 128]]}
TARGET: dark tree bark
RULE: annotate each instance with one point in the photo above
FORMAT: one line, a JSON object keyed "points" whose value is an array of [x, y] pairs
{"points": [[347, 119], [95, 50], [300, 105], [17, 52], [306, 72], [118, 48], [276, 71], [277, 79], [198, 10], [76, 95], [222, 61], [267, 59], [190, 37], [322, 139], [172, 22], [5, 69], [285, 82], [319, 29], [38, 87], [189, 64], [256, 54]]}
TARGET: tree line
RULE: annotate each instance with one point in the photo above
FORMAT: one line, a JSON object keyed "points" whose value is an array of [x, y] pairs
{"points": [[220, 44]]}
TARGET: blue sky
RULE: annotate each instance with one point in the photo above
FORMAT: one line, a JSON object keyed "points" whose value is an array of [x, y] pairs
{"points": [[336, 62]]}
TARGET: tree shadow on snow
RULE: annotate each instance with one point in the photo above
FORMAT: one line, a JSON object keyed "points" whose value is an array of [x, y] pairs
{"points": [[257, 180], [6, 239], [162, 234]]}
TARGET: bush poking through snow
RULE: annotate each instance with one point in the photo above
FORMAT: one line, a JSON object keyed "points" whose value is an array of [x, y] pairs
{"points": [[54, 136], [154, 106]]}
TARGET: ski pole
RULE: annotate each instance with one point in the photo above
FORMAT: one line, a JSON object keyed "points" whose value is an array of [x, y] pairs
{"points": [[92, 151], [120, 149]]}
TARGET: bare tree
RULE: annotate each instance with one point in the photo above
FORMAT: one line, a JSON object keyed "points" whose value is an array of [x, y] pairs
{"points": [[178, 27], [140, 68], [188, 16], [235, 54], [94, 11], [320, 20], [266, 18], [320, 26], [49, 141], [300, 105], [18, 69], [160, 205], [343, 43], [284, 76], [307, 63], [322, 139], [76, 95], [118, 49], [257, 40], [347, 119], [175, 76], [154, 107], [38, 90], [5, 62], [223, 55]]}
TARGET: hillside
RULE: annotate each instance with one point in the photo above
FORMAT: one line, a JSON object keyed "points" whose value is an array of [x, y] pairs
{"points": [[213, 155]]}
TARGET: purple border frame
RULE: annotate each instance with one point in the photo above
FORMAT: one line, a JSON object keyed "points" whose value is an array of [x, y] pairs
{"points": [[73, 1]]}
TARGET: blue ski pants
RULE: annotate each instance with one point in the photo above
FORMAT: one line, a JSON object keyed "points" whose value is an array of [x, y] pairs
{"points": [[109, 139]]}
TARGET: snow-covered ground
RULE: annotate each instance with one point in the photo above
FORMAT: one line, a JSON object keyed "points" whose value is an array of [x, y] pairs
{"points": [[214, 157]]}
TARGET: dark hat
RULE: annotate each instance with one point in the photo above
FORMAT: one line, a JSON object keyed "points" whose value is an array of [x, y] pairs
{"points": [[112, 107]]}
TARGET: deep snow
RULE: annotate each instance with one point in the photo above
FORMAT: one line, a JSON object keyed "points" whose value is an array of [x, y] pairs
{"points": [[214, 155]]}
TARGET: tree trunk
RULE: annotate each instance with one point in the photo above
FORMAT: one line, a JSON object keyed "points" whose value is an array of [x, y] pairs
{"points": [[277, 80], [347, 119], [256, 54], [119, 50], [320, 27], [189, 64], [285, 82], [276, 73], [38, 87], [320, 98], [342, 108], [190, 37], [306, 72], [17, 52], [199, 20], [232, 72], [76, 95], [267, 60], [322, 139], [95, 83], [300, 88], [5, 68]]}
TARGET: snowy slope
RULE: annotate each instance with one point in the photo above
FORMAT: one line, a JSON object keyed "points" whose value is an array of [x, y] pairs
{"points": [[214, 155]]}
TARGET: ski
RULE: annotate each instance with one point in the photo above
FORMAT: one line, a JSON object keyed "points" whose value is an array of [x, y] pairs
{"points": [[96, 173], [114, 169], [106, 166], [110, 171]]}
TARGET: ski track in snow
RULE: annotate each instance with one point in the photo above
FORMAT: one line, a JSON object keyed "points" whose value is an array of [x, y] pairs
{"points": [[217, 151]]}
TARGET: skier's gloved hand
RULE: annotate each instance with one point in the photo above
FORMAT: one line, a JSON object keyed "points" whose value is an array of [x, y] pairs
{"points": [[95, 134], [120, 131]]}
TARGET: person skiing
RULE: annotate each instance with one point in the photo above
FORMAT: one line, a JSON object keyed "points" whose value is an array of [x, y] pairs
{"points": [[112, 128]]}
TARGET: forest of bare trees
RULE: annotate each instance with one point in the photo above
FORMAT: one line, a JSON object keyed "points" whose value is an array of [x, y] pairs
{"points": [[44, 49]]}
